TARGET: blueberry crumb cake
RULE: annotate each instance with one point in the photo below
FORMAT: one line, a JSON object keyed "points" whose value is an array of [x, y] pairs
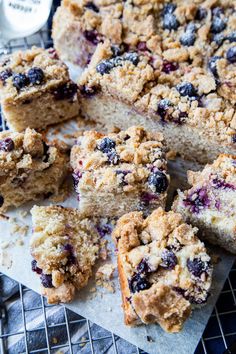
{"points": [[164, 269], [65, 246], [120, 172], [30, 169], [170, 67], [210, 203], [35, 89]]}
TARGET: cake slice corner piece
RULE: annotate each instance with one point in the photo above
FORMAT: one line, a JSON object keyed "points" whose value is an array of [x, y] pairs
{"points": [[65, 246], [210, 202], [163, 268]]}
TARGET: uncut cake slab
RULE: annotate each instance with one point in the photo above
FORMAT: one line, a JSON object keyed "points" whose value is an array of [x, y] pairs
{"points": [[15, 261]]}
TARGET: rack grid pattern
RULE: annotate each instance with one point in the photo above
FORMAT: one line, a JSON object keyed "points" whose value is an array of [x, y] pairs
{"points": [[219, 334]]}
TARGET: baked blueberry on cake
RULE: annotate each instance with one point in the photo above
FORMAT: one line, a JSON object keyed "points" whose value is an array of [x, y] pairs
{"points": [[64, 246], [30, 168], [35, 89], [121, 172], [164, 269], [210, 203]]}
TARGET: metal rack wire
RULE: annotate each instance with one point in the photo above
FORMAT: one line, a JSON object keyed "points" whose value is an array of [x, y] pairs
{"points": [[219, 334]]}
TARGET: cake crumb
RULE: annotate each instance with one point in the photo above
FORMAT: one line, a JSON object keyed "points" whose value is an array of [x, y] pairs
{"points": [[104, 275], [5, 260]]}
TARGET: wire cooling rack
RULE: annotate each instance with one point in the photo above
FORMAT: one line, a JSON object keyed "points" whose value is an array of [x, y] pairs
{"points": [[218, 337]]}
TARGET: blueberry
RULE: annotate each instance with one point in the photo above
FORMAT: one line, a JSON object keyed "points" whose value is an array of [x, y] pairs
{"points": [[35, 267], [218, 38], [1, 201], [5, 74], [106, 145], [91, 6], [142, 46], [46, 280], [132, 57], [232, 37], [212, 64], [91, 36], [104, 67], [138, 283], [169, 66], [197, 266], [116, 51], [186, 89], [20, 81], [231, 55], [158, 181], [122, 175], [143, 267], [104, 229], [217, 11], [36, 75], [188, 39], [201, 14], [162, 108], [113, 158], [234, 138], [170, 22], [65, 91], [7, 145], [169, 259], [218, 24], [169, 8]]}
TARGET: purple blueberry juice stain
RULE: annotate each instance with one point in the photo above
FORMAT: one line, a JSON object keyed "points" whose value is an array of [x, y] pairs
{"points": [[142, 46], [219, 183], [146, 198], [217, 204], [197, 200]]}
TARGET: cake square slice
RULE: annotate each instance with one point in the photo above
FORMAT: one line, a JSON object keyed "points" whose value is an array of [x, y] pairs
{"points": [[193, 105], [120, 172], [210, 202], [164, 269], [30, 169], [36, 90], [64, 246]]}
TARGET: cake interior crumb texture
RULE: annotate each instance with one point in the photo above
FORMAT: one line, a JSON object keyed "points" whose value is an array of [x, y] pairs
{"points": [[120, 172], [30, 169], [35, 89], [64, 246], [210, 203], [164, 269]]}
